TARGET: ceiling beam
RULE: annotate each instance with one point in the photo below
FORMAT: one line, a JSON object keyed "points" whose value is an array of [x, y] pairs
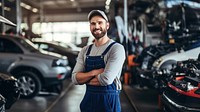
{"points": [[71, 10]]}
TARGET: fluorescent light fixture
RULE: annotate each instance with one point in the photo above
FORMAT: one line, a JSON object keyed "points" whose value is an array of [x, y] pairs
{"points": [[35, 10], [28, 7], [7, 8], [108, 2]]}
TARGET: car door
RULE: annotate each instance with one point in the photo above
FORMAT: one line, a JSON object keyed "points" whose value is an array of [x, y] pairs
{"points": [[9, 53]]}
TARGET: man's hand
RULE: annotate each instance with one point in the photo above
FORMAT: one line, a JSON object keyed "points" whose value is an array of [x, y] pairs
{"points": [[97, 71], [94, 81], [83, 78]]}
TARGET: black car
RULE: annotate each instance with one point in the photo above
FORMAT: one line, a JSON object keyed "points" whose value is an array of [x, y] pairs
{"points": [[57, 48], [182, 93], [9, 92]]}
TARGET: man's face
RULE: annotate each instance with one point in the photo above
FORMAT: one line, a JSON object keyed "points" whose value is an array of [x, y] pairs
{"points": [[98, 27]]}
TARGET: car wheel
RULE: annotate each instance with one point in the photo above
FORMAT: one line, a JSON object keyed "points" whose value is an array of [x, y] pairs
{"points": [[29, 84]]}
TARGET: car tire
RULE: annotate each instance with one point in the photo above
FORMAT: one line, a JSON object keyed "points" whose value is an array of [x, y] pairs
{"points": [[29, 84]]}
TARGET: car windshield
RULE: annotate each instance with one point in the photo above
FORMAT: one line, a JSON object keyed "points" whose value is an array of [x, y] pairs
{"points": [[70, 46], [64, 45], [27, 44]]}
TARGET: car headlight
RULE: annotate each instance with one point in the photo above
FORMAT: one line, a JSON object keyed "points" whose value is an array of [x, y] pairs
{"points": [[157, 62], [60, 62]]}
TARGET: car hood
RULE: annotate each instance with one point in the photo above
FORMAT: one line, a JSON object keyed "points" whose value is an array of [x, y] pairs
{"points": [[46, 54]]}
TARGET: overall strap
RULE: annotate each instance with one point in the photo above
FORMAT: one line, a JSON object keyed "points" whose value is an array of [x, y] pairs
{"points": [[108, 48], [89, 49]]}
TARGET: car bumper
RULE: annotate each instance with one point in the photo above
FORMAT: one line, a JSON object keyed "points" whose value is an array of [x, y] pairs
{"points": [[59, 76], [170, 105]]}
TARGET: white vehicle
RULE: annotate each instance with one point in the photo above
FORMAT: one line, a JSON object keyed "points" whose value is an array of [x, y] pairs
{"points": [[166, 61], [162, 65]]}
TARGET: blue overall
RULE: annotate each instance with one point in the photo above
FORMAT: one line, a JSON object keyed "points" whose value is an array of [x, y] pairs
{"points": [[99, 98]]}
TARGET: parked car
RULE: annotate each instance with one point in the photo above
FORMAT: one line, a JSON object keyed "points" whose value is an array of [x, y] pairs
{"points": [[34, 69], [164, 63], [183, 92], [9, 92], [191, 51], [2, 103], [151, 53], [70, 46], [57, 48]]}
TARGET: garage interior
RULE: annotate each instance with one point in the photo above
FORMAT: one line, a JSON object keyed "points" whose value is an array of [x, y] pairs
{"points": [[161, 39]]}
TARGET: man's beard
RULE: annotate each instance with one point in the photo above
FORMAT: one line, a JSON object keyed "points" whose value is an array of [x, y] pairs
{"points": [[98, 36]]}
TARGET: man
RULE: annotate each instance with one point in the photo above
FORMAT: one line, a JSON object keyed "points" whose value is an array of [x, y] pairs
{"points": [[99, 66]]}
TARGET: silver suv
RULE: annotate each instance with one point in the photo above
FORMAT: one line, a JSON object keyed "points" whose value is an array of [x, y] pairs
{"points": [[35, 70]]}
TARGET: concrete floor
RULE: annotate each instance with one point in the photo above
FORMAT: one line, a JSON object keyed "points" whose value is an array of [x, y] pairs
{"points": [[143, 100], [67, 101]]}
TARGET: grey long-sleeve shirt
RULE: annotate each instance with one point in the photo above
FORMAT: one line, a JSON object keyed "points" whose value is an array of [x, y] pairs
{"points": [[114, 60]]}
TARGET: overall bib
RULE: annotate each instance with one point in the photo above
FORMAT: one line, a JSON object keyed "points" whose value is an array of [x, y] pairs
{"points": [[99, 98]]}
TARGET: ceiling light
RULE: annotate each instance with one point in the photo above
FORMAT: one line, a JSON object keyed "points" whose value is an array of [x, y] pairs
{"points": [[7, 8], [108, 2], [28, 7], [35, 10], [25, 6]]}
